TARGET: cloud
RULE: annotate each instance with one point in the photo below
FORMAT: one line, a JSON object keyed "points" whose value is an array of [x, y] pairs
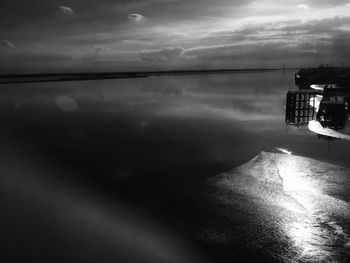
{"points": [[30, 62], [340, 47], [98, 48], [303, 6], [188, 36], [30, 58], [163, 54], [135, 17], [6, 43], [66, 10], [328, 3], [267, 54], [136, 42], [41, 57]]}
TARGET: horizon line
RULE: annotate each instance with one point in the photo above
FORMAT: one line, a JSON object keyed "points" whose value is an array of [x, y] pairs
{"points": [[78, 76]]}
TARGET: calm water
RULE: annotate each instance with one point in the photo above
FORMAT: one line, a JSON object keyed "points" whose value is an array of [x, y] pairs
{"points": [[148, 141]]}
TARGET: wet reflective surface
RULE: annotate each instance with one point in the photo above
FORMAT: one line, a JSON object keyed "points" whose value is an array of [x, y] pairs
{"points": [[318, 227], [282, 208]]}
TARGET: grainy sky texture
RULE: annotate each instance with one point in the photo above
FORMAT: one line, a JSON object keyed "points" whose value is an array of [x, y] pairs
{"points": [[118, 35]]}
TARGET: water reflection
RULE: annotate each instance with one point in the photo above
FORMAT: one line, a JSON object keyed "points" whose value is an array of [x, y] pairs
{"points": [[66, 103], [167, 128], [152, 135], [312, 225]]}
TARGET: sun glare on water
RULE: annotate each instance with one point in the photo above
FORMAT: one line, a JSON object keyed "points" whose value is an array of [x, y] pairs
{"points": [[311, 228]]}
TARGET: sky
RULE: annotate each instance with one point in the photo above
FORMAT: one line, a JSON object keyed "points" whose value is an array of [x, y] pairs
{"points": [[132, 35]]}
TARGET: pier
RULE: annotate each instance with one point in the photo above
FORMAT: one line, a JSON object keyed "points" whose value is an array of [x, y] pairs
{"points": [[321, 101], [339, 76]]}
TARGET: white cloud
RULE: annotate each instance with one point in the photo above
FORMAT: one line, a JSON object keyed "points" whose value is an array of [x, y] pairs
{"points": [[66, 10], [135, 17], [6, 43], [163, 54], [303, 6]]}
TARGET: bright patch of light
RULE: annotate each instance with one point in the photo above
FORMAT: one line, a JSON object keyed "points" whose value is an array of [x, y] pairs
{"points": [[307, 208], [66, 10], [284, 151], [316, 127], [317, 87], [315, 102], [295, 185], [303, 6]]}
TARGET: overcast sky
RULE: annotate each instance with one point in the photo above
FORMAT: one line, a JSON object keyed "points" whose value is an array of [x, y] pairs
{"points": [[115, 35]]}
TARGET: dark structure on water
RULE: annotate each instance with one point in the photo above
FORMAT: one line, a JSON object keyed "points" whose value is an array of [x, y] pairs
{"points": [[323, 96], [304, 78], [299, 110]]}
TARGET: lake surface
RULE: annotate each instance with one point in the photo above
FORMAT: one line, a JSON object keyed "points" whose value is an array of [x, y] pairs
{"points": [[159, 143]]}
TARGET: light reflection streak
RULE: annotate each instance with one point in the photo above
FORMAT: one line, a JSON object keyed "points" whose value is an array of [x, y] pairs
{"points": [[295, 185], [305, 198], [310, 228], [317, 127], [284, 151]]}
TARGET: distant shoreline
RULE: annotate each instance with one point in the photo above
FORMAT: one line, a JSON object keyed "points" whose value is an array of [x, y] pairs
{"points": [[53, 77]]}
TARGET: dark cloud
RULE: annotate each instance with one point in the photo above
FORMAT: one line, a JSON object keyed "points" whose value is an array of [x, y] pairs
{"points": [[340, 47], [135, 17], [6, 43], [98, 48], [188, 31], [20, 12], [30, 62], [40, 57]]}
